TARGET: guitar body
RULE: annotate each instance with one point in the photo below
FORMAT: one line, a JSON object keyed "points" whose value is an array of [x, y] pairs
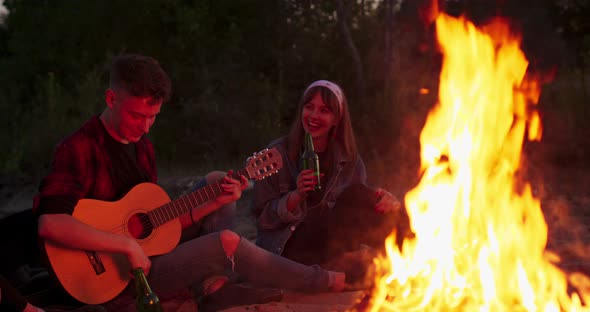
{"points": [[95, 284], [145, 214]]}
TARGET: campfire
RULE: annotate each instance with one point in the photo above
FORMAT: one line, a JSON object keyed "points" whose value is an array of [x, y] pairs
{"points": [[480, 232]]}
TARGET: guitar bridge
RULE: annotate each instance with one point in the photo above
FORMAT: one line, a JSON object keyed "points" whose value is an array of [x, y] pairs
{"points": [[95, 262]]}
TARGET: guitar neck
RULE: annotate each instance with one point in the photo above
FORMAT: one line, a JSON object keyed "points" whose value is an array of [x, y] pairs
{"points": [[184, 204]]}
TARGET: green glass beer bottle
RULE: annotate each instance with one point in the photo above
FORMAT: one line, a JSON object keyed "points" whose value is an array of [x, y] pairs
{"points": [[146, 300], [311, 160]]}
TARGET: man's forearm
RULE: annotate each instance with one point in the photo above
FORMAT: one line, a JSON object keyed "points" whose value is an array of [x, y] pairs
{"points": [[66, 230], [203, 210]]}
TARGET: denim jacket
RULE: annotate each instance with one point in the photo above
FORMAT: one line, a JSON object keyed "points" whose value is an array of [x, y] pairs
{"points": [[274, 222]]}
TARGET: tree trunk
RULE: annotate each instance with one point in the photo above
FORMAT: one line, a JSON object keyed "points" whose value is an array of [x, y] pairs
{"points": [[388, 46], [363, 9], [358, 65]]}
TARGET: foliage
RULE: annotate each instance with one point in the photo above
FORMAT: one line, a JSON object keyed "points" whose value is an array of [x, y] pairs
{"points": [[238, 68]]}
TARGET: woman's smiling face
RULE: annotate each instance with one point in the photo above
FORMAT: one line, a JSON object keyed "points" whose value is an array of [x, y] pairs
{"points": [[318, 118]]}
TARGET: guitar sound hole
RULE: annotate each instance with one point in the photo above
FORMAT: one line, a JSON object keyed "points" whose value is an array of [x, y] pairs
{"points": [[139, 226]]}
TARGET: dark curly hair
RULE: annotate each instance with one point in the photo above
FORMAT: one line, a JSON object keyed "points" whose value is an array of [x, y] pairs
{"points": [[140, 76]]}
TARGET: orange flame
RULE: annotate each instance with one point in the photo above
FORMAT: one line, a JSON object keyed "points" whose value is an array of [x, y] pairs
{"points": [[480, 235]]}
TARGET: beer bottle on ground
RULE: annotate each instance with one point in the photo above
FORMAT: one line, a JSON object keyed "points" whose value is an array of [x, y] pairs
{"points": [[146, 300], [311, 160]]}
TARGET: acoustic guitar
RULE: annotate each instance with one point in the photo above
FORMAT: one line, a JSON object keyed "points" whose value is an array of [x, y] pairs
{"points": [[146, 214]]}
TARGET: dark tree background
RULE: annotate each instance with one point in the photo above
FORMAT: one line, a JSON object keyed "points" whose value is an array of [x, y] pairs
{"points": [[238, 69]]}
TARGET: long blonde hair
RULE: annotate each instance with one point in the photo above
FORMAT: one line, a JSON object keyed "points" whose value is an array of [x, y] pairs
{"points": [[342, 132]]}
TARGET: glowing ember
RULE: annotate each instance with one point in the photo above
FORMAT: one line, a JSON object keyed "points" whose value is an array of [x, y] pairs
{"points": [[480, 234]]}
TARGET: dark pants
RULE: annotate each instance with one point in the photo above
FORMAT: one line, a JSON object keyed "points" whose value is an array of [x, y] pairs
{"points": [[328, 233], [18, 241]]}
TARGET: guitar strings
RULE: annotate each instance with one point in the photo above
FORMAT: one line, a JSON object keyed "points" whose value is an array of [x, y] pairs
{"points": [[146, 223]]}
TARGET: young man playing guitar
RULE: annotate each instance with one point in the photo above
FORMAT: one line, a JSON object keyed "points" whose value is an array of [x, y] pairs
{"points": [[100, 171]]}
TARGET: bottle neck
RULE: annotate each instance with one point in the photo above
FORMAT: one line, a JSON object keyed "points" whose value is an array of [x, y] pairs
{"points": [[141, 283], [308, 142]]}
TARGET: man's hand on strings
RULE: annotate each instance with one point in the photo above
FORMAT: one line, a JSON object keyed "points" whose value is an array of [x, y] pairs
{"points": [[232, 188]]}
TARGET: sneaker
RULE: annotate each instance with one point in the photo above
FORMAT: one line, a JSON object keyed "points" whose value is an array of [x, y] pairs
{"points": [[358, 267]]}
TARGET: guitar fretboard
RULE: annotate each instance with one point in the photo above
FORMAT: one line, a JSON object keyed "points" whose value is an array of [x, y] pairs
{"points": [[182, 205]]}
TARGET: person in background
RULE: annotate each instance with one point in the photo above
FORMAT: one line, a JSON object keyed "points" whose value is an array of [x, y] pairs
{"points": [[109, 155], [345, 216], [12, 300]]}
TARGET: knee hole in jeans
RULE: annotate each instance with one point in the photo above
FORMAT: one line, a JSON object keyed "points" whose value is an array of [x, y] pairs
{"points": [[213, 283], [229, 242]]}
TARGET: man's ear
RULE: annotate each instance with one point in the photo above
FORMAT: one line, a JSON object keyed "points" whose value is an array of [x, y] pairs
{"points": [[109, 97]]}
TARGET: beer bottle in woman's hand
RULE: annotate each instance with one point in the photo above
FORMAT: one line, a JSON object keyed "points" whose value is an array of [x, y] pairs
{"points": [[311, 160]]}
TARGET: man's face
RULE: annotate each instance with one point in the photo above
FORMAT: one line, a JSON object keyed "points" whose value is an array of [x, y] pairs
{"points": [[132, 116]]}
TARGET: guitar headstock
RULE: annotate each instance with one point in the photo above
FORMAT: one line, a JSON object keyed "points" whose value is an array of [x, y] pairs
{"points": [[264, 163]]}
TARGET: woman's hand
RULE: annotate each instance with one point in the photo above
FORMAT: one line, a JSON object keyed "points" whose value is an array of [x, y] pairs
{"points": [[232, 189], [387, 203], [306, 181]]}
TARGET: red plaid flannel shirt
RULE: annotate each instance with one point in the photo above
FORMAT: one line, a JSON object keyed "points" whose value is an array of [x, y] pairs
{"points": [[80, 169]]}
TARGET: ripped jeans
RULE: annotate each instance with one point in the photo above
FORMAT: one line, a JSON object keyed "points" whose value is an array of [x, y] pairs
{"points": [[200, 255], [192, 262]]}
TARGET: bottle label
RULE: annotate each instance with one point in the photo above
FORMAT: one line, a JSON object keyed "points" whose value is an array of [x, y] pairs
{"points": [[311, 163], [310, 160]]}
